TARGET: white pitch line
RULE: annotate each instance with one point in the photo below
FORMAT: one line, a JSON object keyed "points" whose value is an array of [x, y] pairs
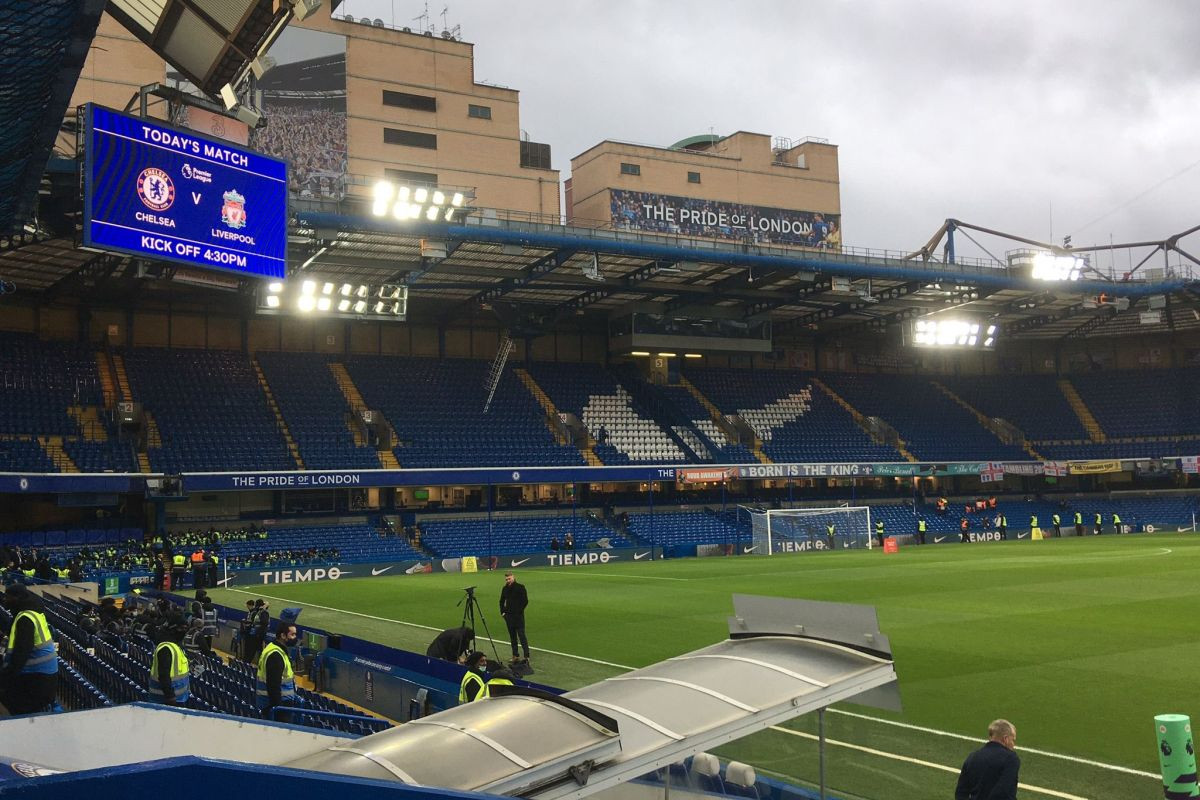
{"points": [[918, 762], [424, 627], [594, 574], [934, 731]]}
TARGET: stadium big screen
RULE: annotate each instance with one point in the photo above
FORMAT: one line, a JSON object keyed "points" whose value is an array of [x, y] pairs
{"points": [[156, 191]]}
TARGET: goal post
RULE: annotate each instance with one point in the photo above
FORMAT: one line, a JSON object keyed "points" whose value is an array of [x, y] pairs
{"points": [[795, 530]]}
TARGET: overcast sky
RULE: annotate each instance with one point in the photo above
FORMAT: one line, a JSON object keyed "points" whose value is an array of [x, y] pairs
{"points": [[991, 112]]}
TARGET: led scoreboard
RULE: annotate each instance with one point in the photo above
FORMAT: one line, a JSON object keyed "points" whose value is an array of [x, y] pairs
{"points": [[155, 191]]}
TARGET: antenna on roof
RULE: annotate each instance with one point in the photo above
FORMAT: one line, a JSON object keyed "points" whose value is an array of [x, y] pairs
{"points": [[423, 20]]}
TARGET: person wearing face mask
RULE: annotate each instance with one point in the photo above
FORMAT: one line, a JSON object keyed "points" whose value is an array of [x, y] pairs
{"points": [[276, 684]]}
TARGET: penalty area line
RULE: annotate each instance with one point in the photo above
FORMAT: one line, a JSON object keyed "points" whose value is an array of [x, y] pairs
{"points": [[908, 760], [425, 627]]}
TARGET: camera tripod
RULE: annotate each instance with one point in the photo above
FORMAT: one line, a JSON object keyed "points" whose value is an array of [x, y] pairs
{"points": [[471, 613]]}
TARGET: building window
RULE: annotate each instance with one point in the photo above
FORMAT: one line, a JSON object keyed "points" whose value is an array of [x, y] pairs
{"points": [[410, 178], [417, 102], [410, 138], [479, 112], [693, 177], [631, 169], [535, 155]]}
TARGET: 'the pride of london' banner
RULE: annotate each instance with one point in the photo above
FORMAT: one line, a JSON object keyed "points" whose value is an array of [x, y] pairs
{"points": [[712, 219]]}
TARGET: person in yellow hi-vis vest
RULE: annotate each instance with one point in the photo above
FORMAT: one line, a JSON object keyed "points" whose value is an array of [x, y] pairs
{"points": [[1079, 523], [1117, 523], [1035, 532]]}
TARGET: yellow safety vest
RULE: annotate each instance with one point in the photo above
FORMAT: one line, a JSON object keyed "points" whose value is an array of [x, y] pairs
{"points": [[487, 687], [180, 674], [468, 680], [43, 658], [178, 561]]}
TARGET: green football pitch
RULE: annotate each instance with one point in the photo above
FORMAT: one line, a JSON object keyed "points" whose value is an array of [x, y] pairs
{"points": [[1079, 642]]}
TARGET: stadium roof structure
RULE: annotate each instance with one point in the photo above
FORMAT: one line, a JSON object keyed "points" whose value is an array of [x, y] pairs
{"points": [[544, 270], [535, 275], [784, 658], [45, 46]]}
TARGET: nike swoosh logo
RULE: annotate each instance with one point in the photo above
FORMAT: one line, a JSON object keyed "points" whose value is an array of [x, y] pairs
{"points": [[749, 549], [639, 556], [375, 572], [1022, 535], [224, 581], [939, 539], [516, 563], [1183, 530]]}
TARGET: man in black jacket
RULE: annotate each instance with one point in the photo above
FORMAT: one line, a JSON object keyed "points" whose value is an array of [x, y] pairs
{"points": [[513, 601], [451, 644], [990, 773]]}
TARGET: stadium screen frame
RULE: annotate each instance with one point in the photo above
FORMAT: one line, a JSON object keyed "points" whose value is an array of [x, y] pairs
{"points": [[237, 217]]}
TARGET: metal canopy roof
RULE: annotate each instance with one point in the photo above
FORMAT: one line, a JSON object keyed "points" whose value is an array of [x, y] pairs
{"points": [[542, 267], [209, 41], [44, 48], [784, 658]]}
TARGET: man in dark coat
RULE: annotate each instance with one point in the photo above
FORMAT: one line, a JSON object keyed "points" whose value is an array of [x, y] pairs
{"points": [[513, 601], [451, 644], [991, 772]]}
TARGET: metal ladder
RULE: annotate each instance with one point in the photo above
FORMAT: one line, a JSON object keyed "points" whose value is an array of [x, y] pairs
{"points": [[497, 370]]}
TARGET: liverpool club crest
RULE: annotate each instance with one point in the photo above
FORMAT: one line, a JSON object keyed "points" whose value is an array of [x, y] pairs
{"points": [[233, 212]]}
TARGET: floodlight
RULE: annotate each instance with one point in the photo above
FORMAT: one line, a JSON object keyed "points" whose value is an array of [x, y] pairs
{"points": [[449, 214], [457, 200], [952, 332], [360, 306], [379, 306], [1051, 267], [347, 289], [421, 195], [323, 304], [343, 305], [327, 288], [438, 198], [362, 291], [305, 303], [273, 301], [275, 287], [432, 213], [402, 194], [379, 208], [384, 191], [309, 287]]}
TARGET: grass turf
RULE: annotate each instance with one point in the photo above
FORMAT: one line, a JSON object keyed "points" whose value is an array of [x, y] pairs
{"points": [[1080, 642]]}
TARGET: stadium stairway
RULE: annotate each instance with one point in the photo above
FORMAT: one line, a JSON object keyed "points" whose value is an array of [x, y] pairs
{"points": [[588, 450], [387, 456], [118, 365], [987, 421], [53, 445], [108, 383], [1094, 431], [279, 420], [858, 417]]}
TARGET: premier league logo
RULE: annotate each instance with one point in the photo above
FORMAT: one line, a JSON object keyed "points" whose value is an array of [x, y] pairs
{"points": [[233, 213], [156, 189]]}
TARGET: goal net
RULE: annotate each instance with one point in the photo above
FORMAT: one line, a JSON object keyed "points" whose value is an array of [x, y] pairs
{"points": [[795, 530]]}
